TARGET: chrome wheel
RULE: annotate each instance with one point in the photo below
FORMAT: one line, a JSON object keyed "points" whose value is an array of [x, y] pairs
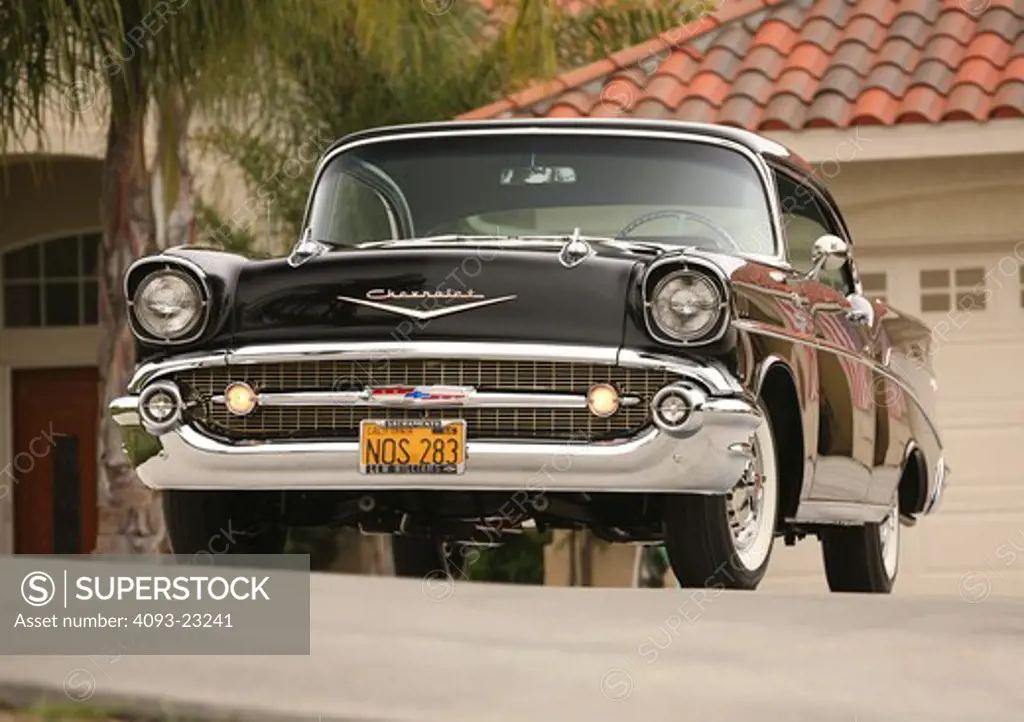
{"points": [[752, 504], [889, 538]]}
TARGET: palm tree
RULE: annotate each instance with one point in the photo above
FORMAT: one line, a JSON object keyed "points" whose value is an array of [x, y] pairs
{"points": [[338, 64], [345, 76], [139, 54]]}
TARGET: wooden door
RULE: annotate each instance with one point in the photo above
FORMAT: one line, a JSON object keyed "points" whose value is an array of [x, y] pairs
{"points": [[55, 412]]}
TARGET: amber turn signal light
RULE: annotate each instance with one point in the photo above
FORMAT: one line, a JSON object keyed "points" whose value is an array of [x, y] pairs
{"points": [[602, 400], [240, 398]]}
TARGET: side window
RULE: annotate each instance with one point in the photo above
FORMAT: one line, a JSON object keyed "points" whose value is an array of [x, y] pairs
{"points": [[804, 221], [348, 211]]}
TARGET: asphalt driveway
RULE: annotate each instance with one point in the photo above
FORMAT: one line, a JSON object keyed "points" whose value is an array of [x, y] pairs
{"points": [[383, 649]]}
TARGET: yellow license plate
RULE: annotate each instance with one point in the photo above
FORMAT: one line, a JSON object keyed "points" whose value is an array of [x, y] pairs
{"points": [[420, 446]]}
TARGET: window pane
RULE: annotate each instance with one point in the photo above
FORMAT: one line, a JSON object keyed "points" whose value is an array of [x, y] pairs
{"points": [[935, 279], [22, 263], [970, 301], [60, 258], [873, 281], [90, 255], [931, 302], [21, 305], [62, 304], [90, 303], [970, 276]]}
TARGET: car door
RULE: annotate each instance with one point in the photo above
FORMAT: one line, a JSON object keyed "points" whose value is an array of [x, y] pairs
{"points": [[843, 328]]}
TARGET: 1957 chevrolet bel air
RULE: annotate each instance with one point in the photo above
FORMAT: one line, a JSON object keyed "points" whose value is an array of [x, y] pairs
{"points": [[652, 330]]}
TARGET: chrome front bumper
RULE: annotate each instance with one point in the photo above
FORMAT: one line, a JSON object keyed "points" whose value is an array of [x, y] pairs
{"points": [[707, 457]]}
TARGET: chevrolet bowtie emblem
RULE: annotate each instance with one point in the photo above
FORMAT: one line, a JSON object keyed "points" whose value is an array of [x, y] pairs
{"points": [[419, 395], [442, 299]]}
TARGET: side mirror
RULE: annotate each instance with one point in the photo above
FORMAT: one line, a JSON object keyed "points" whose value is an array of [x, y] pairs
{"points": [[829, 253]]}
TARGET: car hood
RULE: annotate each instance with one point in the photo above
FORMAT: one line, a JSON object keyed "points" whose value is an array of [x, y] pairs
{"points": [[443, 293]]}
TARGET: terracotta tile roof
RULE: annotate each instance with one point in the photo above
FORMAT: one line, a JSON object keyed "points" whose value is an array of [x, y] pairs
{"points": [[794, 64]]}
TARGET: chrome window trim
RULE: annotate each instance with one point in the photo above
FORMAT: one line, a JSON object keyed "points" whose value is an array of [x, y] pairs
{"points": [[712, 375], [758, 160], [204, 289], [833, 213]]}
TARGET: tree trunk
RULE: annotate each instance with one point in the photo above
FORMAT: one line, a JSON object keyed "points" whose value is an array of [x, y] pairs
{"points": [[130, 518], [174, 210]]}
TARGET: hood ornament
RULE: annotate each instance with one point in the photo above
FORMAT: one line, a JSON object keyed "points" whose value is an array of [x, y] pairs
{"points": [[424, 314], [575, 251], [306, 248]]}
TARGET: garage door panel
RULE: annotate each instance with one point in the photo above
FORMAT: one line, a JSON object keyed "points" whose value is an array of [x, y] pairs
{"points": [[985, 457], [978, 370], [962, 543]]}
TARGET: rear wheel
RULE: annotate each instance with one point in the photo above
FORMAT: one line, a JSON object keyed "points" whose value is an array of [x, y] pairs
{"points": [[726, 541], [223, 522], [864, 558]]}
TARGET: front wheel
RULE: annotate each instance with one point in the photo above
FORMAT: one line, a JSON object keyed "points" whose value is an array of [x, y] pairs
{"points": [[726, 541], [864, 558], [223, 522]]}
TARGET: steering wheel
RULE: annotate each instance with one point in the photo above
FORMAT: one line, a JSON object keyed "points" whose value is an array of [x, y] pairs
{"points": [[723, 235]]}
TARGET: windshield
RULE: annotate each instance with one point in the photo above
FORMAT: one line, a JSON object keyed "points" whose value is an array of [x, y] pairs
{"points": [[663, 191]]}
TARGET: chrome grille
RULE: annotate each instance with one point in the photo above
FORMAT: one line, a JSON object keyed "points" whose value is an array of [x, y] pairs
{"points": [[339, 422]]}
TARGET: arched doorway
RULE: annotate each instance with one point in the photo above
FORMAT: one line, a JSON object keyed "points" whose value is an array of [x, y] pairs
{"points": [[49, 247]]}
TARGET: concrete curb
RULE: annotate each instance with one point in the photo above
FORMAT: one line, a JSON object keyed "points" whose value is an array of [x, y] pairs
{"points": [[139, 708]]}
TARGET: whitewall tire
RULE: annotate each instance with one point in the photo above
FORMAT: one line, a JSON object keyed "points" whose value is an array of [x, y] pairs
{"points": [[726, 541], [865, 558]]}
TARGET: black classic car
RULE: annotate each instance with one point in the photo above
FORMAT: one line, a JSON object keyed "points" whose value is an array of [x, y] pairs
{"points": [[651, 330]]}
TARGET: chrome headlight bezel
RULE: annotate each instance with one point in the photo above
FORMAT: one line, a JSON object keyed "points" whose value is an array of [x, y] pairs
{"points": [[660, 274], [146, 270]]}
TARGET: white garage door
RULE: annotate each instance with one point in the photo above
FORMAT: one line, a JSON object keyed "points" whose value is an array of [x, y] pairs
{"points": [[975, 543]]}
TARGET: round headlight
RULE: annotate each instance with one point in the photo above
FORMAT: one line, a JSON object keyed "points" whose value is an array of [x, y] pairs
{"points": [[686, 305], [168, 304]]}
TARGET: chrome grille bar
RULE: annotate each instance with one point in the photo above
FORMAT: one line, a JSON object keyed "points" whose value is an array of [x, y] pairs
{"points": [[512, 398], [475, 400]]}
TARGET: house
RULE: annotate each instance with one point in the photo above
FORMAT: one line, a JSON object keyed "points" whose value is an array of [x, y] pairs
{"points": [[912, 112], [49, 306]]}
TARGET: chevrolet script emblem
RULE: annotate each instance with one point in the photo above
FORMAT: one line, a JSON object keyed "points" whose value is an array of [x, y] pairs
{"points": [[441, 302]]}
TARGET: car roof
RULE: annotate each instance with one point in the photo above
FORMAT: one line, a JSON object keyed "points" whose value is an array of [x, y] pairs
{"points": [[752, 141]]}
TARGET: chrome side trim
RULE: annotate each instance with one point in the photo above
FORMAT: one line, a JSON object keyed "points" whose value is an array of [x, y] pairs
{"points": [[759, 162], [476, 399], [712, 375], [760, 329], [191, 269], [941, 474], [843, 513]]}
